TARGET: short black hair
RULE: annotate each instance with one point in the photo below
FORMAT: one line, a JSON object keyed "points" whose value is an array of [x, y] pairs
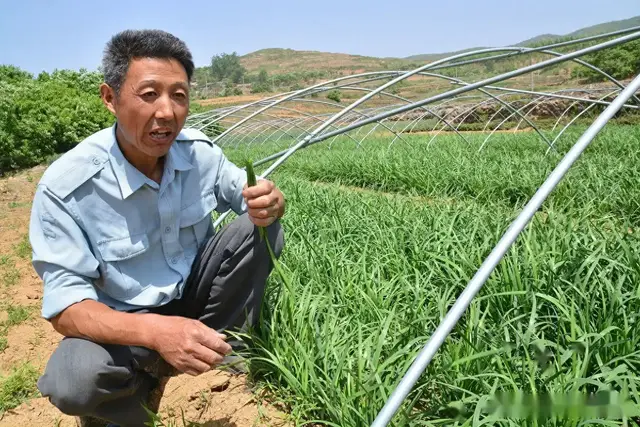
{"points": [[132, 44]]}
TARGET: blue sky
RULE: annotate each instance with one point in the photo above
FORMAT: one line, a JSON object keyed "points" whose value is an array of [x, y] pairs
{"points": [[44, 35]]}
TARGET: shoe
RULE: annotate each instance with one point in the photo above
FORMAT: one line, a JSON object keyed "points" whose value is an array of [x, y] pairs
{"points": [[153, 405]]}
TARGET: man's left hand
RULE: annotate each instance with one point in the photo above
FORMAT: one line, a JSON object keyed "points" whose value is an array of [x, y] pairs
{"points": [[265, 202]]}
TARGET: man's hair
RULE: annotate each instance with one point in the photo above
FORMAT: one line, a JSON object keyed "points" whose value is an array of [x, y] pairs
{"points": [[133, 44]]}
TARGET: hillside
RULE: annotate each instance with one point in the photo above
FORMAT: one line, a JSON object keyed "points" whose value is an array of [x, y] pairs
{"points": [[606, 27], [281, 61], [288, 69], [429, 57], [288, 60], [546, 38]]}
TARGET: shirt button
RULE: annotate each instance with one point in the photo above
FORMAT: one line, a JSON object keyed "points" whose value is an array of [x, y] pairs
{"points": [[96, 161], [174, 260], [167, 230]]}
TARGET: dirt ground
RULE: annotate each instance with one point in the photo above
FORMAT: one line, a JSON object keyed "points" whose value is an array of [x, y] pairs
{"points": [[215, 399]]}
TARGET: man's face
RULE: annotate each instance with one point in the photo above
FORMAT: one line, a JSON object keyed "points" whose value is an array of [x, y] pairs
{"points": [[151, 107]]}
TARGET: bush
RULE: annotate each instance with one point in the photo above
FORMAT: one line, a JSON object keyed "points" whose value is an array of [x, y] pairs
{"points": [[621, 62], [335, 95], [46, 116]]}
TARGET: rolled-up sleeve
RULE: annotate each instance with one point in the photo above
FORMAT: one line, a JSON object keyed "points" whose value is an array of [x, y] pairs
{"points": [[230, 183], [62, 256]]}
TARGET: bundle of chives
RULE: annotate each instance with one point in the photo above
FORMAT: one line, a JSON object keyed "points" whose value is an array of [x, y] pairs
{"points": [[251, 181]]}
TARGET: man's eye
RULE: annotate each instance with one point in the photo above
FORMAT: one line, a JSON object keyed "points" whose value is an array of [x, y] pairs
{"points": [[181, 95], [148, 94]]}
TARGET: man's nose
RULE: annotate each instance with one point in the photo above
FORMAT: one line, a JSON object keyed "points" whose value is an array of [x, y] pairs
{"points": [[164, 108]]}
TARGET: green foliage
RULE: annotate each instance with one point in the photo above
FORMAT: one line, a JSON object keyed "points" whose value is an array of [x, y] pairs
{"points": [[335, 95], [230, 90], [621, 62], [17, 314], [23, 248], [10, 275], [18, 386], [13, 75], [227, 66], [44, 116], [48, 115], [195, 108], [262, 82]]}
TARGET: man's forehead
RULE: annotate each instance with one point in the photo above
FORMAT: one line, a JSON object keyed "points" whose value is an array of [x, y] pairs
{"points": [[156, 69]]}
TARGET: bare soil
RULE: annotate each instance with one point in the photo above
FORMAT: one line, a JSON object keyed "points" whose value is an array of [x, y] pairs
{"points": [[214, 399]]}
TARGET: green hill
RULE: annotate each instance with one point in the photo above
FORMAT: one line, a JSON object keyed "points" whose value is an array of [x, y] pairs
{"points": [[593, 30], [289, 68], [606, 27]]}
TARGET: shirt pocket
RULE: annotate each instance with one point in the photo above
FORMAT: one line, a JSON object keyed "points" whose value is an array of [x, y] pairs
{"points": [[124, 265], [195, 220]]}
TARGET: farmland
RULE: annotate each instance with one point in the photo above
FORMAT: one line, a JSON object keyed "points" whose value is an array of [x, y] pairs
{"points": [[380, 243]]}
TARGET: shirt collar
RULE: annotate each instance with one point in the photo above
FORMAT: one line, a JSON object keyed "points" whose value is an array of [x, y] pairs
{"points": [[177, 160], [130, 179]]}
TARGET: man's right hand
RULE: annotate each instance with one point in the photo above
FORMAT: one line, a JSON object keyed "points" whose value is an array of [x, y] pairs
{"points": [[189, 345], [186, 344]]}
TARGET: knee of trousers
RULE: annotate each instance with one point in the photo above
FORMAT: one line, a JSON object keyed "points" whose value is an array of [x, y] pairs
{"points": [[79, 374]]}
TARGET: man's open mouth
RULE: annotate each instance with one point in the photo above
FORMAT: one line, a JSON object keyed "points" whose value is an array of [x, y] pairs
{"points": [[161, 136]]}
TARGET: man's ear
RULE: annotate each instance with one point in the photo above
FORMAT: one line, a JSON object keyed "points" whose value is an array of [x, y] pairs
{"points": [[108, 96]]}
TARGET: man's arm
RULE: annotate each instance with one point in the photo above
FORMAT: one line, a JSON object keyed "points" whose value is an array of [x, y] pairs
{"points": [[187, 344], [97, 322]]}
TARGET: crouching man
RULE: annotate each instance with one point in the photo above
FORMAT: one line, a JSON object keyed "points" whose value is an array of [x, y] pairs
{"points": [[135, 277]]}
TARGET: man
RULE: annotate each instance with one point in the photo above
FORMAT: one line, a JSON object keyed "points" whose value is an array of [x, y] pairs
{"points": [[135, 278]]}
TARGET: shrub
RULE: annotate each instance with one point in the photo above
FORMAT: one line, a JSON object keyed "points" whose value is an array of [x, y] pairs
{"points": [[335, 95], [48, 115]]}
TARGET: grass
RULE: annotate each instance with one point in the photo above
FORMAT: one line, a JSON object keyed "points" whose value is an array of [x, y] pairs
{"points": [[17, 314], [10, 276], [18, 386], [15, 205], [380, 243], [23, 247]]}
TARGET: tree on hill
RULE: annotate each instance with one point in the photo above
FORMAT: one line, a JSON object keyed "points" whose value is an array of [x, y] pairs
{"points": [[261, 84], [12, 74], [621, 62], [227, 66]]}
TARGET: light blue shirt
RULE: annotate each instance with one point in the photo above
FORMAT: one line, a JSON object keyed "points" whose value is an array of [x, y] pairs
{"points": [[102, 230]]}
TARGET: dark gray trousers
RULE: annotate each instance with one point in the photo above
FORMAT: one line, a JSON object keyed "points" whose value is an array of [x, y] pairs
{"points": [[224, 291]]}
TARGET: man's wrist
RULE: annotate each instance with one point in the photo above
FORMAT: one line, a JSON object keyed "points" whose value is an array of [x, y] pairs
{"points": [[148, 327]]}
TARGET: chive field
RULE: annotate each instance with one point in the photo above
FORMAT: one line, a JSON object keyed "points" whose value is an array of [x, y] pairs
{"points": [[380, 242]]}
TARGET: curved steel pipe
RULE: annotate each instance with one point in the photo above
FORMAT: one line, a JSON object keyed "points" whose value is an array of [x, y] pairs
{"points": [[427, 353]]}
